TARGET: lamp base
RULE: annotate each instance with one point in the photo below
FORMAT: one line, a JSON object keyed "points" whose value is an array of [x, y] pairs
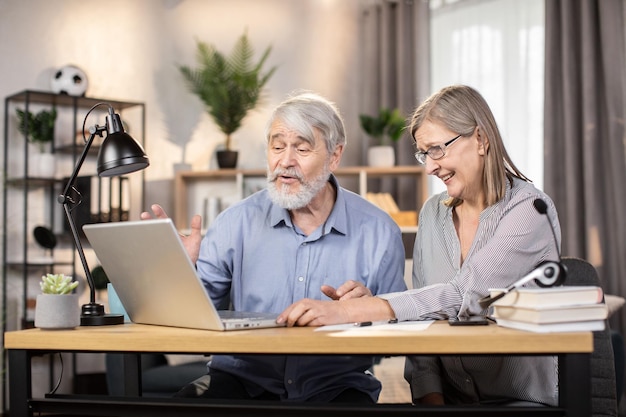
{"points": [[105, 320], [93, 315]]}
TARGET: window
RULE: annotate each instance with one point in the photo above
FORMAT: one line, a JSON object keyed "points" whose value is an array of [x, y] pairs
{"points": [[497, 47]]}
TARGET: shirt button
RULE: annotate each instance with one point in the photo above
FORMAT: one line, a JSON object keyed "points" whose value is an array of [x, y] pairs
{"points": [[468, 381], [289, 381], [300, 279], [304, 244]]}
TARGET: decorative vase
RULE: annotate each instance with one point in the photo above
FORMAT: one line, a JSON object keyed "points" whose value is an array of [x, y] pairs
{"points": [[57, 311], [181, 166], [42, 165], [47, 165], [226, 158], [381, 156]]}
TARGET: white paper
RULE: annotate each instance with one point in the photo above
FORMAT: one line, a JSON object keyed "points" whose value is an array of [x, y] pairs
{"points": [[351, 329]]}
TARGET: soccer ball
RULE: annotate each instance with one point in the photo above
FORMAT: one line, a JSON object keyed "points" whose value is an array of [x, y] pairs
{"points": [[69, 80]]}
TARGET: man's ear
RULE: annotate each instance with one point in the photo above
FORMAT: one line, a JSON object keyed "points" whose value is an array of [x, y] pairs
{"points": [[335, 157], [483, 142]]}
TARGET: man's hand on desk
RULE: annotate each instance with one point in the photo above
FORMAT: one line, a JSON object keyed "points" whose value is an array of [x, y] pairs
{"points": [[309, 312], [191, 242]]}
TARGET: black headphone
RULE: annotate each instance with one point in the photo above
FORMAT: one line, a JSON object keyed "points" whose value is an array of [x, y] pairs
{"points": [[547, 274]]}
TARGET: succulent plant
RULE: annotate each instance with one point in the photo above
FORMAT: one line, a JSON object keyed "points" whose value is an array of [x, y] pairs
{"points": [[57, 284]]}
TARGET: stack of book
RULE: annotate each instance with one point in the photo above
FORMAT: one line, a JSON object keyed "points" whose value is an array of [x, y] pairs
{"points": [[385, 202], [553, 309]]}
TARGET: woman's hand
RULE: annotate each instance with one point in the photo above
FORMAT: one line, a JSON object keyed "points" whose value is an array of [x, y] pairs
{"points": [[347, 290], [191, 242]]}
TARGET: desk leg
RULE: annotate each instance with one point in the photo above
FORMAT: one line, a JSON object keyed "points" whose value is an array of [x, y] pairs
{"points": [[131, 370], [20, 389], [575, 384]]}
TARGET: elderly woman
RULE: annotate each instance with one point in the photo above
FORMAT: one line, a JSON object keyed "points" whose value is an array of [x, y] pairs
{"points": [[482, 232]]}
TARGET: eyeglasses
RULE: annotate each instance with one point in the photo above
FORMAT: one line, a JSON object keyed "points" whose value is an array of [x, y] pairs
{"points": [[435, 152]]}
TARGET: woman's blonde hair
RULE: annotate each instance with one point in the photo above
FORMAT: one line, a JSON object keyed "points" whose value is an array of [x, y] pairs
{"points": [[461, 109]]}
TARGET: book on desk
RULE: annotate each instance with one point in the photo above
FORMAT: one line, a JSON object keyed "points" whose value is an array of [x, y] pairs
{"points": [[554, 309]]}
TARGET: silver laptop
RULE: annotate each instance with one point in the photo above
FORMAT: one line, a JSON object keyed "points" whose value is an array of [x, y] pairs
{"points": [[156, 281]]}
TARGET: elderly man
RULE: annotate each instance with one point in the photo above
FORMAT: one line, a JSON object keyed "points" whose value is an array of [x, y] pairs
{"points": [[302, 237]]}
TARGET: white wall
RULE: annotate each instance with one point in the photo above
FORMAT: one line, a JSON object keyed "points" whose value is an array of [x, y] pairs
{"points": [[130, 50]]}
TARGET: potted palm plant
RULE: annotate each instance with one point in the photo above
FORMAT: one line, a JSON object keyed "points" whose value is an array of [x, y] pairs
{"points": [[385, 128], [229, 86]]}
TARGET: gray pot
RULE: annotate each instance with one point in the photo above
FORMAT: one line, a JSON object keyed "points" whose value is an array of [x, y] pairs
{"points": [[226, 159], [53, 311]]}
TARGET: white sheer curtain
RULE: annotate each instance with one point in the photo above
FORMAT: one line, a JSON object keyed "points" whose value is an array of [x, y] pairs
{"points": [[497, 47]]}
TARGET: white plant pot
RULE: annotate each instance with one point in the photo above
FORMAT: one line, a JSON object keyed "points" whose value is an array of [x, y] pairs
{"points": [[381, 156], [42, 165], [182, 166], [54, 311]]}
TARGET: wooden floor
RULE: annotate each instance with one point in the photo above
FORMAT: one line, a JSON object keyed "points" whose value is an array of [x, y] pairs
{"points": [[390, 372]]}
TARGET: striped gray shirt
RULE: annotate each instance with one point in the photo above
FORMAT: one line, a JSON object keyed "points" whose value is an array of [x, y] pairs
{"points": [[512, 238]]}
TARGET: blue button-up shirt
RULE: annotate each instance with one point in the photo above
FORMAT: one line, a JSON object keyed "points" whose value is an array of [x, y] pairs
{"points": [[253, 258]]}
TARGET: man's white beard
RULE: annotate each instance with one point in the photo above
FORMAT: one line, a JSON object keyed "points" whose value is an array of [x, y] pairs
{"points": [[308, 190]]}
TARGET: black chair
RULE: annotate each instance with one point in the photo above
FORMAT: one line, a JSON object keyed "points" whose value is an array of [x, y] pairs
{"points": [[617, 340], [603, 372]]}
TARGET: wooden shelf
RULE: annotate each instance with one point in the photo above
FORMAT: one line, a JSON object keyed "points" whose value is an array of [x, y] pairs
{"points": [[50, 98], [184, 179]]}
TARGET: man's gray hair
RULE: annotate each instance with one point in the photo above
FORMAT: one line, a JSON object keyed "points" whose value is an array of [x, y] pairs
{"points": [[305, 112]]}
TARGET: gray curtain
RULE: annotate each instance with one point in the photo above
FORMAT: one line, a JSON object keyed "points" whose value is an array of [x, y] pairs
{"points": [[585, 145], [395, 73]]}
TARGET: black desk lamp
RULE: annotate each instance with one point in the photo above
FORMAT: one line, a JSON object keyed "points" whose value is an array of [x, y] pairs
{"points": [[119, 154]]}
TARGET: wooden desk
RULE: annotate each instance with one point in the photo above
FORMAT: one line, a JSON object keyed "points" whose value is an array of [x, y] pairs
{"points": [[573, 350]]}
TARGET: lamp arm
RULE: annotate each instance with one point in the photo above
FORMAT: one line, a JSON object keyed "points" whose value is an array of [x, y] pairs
{"points": [[94, 130], [66, 200], [81, 253]]}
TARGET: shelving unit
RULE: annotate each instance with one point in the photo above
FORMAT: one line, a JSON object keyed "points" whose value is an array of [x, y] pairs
{"points": [[235, 180], [30, 199]]}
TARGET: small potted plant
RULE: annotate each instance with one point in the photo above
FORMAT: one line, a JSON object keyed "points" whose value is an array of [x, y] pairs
{"points": [[57, 306], [384, 128], [229, 86], [39, 130]]}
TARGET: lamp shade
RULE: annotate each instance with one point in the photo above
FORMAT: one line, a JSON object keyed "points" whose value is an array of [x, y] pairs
{"points": [[120, 154]]}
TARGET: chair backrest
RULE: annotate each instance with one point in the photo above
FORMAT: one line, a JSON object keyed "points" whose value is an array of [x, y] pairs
{"points": [[603, 379]]}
